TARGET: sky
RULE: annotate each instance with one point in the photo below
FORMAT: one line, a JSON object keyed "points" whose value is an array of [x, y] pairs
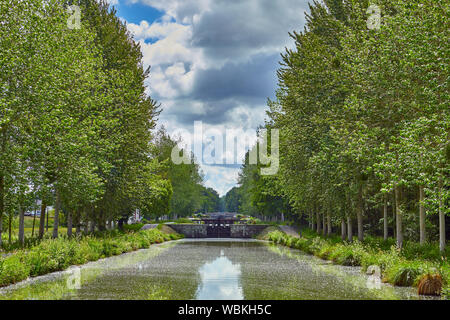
{"points": [[213, 61]]}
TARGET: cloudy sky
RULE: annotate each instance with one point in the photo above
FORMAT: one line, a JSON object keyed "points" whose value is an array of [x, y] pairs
{"points": [[213, 61]]}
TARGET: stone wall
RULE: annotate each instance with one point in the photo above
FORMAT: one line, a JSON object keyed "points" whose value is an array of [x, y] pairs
{"points": [[190, 230], [236, 230], [246, 230]]}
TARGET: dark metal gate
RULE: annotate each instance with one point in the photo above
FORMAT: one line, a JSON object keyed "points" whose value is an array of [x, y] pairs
{"points": [[218, 224], [218, 229]]}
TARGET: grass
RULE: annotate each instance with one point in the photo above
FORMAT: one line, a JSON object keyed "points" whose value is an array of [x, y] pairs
{"points": [[178, 221], [400, 268], [52, 255]]}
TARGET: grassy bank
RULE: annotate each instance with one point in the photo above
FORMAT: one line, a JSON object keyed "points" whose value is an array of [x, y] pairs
{"points": [[58, 254], [401, 268]]}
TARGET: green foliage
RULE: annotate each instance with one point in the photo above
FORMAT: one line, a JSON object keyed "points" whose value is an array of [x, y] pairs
{"points": [[233, 200], [13, 270], [404, 273], [396, 266], [189, 195], [133, 227], [58, 254], [446, 293], [75, 120], [210, 200], [364, 122]]}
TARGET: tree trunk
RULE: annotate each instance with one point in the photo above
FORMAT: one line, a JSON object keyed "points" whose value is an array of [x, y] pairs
{"points": [[349, 229], [56, 217], [34, 223], [77, 222], [1, 229], [2, 206], [92, 226], [385, 219], [21, 225], [394, 218], [313, 225], [69, 224], [10, 218], [86, 225], [441, 218], [46, 225], [329, 224], [398, 217], [343, 230], [318, 221], [282, 217], [42, 220], [324, 225], [422, 215], [120, 224], [359, 214]]}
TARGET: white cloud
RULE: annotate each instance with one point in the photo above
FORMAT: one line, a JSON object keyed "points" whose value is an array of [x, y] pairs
{"points": [[222, 179], [213, 60], [158, 30]]}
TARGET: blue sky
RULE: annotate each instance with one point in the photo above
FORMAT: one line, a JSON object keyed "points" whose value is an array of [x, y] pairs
{"points": [[137, 12], [213, 61]]}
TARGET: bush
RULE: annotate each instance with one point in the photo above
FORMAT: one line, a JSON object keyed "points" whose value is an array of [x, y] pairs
{"points": [[404, 273], [133, 227], [382, 259], [13, 270], [427, 251], [183, 220], [446, 293], [345, 255], [402, 268], [58, 254]]}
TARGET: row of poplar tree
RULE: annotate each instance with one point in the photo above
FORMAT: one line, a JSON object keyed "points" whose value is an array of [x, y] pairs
{"points": [[363, 112], [76, 121]]}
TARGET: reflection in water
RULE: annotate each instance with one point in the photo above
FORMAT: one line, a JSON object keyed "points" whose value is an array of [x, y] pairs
{"points": [[209, 269], [220, 280]]}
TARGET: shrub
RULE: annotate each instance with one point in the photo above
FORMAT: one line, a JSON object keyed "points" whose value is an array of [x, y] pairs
{"points": [[404, 273], [57, 254], [430, 284], [302, 244], [316, 245], [382, 259], [325, 251], [13, 270], [276, 236], [345, 255], [446, 293], [183, 220], [133, 227], [427, 251]]}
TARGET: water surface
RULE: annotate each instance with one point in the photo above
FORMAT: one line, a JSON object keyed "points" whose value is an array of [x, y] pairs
{"points": [[208, 269]]}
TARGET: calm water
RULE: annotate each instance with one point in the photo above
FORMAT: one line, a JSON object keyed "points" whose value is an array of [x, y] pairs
{"points": [[208, 269]]}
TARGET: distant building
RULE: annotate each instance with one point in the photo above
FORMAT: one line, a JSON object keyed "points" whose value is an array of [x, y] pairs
{"points": [[36, 208], [135, 217]]}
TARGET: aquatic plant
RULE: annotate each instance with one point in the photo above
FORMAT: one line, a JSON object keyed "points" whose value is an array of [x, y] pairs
{"points": [[58, 254], [398, 267]]}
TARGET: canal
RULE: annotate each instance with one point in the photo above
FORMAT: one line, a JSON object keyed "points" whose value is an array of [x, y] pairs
{"points": [[208, 269]]}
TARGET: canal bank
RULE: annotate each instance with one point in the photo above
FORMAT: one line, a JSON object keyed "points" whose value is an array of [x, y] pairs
{"points": [[231, 269]]}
